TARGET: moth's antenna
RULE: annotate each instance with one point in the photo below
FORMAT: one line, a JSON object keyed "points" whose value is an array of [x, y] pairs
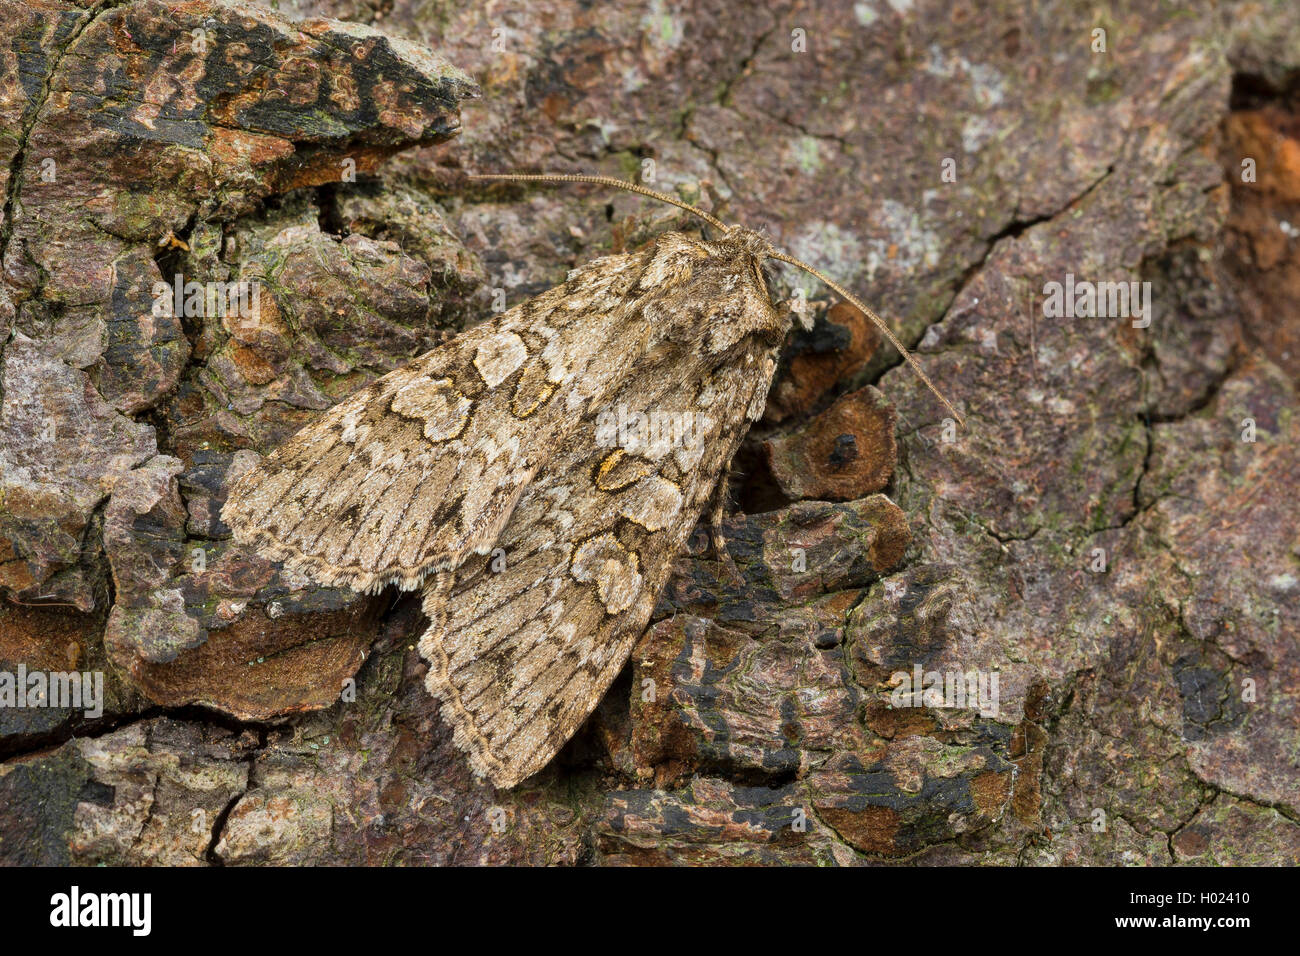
{"points": [[848, 296], [604, 181], [674, 201]]}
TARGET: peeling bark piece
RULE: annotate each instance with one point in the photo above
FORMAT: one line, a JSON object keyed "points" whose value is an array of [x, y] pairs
{"points": [[749, 681], [262, 106], [395, 212], [133, 121], [150, 794], [204, 489], [144, 538], [250, 669], [144, 530], [134, 637], [187, 632], [144, 348], [763, 709], [840, 343], [846, 452], [281, 823], [920, 792], [355, 303]]}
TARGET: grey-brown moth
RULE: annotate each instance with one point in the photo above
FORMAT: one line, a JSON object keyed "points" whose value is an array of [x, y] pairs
{"points": [[486, 473]]}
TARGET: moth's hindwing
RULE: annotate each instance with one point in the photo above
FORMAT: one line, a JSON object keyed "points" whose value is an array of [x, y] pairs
{"points": [[422, 468], [523, 644]]}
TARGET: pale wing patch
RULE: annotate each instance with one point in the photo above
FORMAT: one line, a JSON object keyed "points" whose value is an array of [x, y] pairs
{"points": [[654, 503], [444, 411], [604, 561], [498, 357]]}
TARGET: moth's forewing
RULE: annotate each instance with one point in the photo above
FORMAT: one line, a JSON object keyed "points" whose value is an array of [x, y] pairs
{"points": [[422, 468]]}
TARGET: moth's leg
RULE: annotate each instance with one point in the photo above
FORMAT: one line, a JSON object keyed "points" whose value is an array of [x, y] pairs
{"points": [[717, 508]]}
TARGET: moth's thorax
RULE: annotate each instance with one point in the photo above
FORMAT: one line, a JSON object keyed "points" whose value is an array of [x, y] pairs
{"points": [[713, 292], [741, 241]]}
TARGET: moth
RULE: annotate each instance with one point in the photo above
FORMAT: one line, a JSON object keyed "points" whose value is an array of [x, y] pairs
{"points": [[484, 474]]}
